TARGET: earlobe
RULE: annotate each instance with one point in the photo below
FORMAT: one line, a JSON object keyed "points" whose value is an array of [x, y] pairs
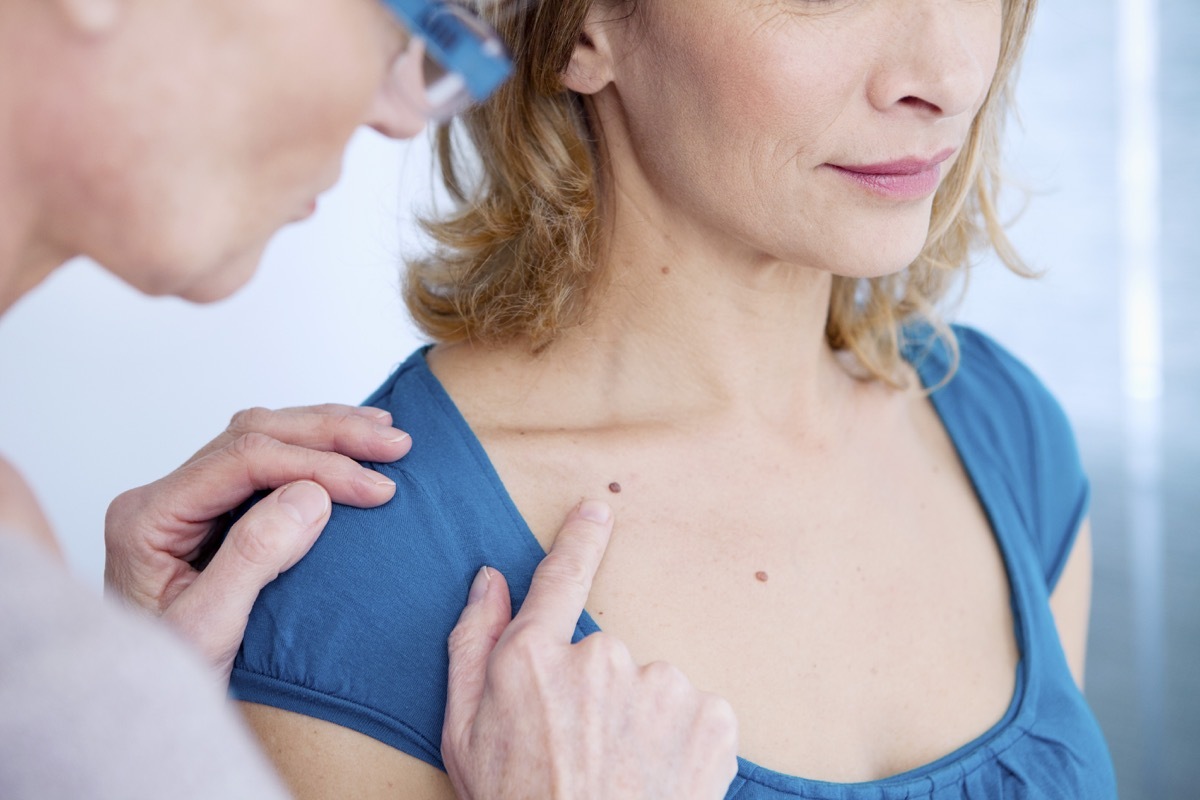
{"points": [[91, 17], [590, 68]]}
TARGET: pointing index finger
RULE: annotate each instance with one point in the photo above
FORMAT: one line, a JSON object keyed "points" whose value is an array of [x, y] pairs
{"points": [[563, 580]]}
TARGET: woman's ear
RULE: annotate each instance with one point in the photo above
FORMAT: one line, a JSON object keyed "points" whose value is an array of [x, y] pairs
{"points": [[91, 17], [590, 67]]}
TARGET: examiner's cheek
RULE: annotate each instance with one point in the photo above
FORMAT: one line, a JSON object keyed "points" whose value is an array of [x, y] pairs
{"points": [[225, 278]]}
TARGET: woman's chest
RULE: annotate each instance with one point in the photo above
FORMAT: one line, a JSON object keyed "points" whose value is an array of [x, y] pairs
{"points": [[854, 610]]}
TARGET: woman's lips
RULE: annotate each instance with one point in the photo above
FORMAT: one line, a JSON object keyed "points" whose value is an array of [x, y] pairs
{"points": [[904, 179]]}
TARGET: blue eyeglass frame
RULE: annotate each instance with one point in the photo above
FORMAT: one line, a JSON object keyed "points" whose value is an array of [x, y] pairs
{"points": [[483, 65]]}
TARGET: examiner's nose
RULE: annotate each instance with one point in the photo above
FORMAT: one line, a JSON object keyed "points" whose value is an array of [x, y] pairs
{"points": [[397, 110]]}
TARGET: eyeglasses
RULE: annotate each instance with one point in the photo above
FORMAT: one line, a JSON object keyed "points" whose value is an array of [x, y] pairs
{"points": [[464, 61]]}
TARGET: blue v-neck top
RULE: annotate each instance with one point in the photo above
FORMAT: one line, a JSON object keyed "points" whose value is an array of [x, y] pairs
{"points": [[355, 633]]}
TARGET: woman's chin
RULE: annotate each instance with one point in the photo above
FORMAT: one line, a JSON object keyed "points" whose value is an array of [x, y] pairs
{"points": [[878, 258]]}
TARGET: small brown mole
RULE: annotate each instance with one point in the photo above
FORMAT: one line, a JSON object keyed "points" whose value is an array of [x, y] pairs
{"points": [[666, 270], [614, 487], [761, 576]]}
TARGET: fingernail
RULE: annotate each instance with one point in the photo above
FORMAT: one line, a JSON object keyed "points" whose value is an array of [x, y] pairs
{"points": [[479, 586], [372, 479], [305, 502], [379, 414], [595, 511], [390, 434]]}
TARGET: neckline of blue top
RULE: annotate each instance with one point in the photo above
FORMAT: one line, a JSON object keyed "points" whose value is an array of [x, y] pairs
{"points": [[952, 767]]}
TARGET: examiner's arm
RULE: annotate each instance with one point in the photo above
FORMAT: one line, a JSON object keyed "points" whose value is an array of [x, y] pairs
{"points": [[529, 714], [100, 704]]}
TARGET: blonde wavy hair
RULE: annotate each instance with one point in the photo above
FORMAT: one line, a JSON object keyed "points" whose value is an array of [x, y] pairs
{"points": [[517, 256]]}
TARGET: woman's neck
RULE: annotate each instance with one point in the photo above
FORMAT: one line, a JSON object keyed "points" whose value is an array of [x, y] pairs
{"points": [[708, 323], [683, 329]]}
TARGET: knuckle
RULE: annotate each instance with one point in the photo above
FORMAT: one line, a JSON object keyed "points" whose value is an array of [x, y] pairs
{"points": [[717, 717], [261, 540], [522, 649], [566, 573], [665, 675], [247, 444], [459, 639], [671, 688], [332, 410], [123, 506], [523, 654], [126, 516], [606, 652], [249, 419], [256, 546]]}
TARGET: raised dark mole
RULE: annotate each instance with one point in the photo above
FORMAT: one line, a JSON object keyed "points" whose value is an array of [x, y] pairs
{"points": [[762, 576], [614, 487]]}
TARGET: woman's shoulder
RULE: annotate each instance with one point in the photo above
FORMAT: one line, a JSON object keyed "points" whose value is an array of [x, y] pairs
{"points": [[1011, 428], [971, 374], [356, 632], [1009, 401]]}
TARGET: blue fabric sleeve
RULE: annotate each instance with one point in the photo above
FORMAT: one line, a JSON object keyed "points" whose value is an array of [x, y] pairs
{"points": [[1029, 431], [355, 633]]}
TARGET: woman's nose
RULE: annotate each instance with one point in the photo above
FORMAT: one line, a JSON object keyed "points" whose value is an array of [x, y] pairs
{"points": [[939, 56]]}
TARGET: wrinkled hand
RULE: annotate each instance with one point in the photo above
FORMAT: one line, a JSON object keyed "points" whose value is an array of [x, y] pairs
{"points": [[530, 715], [306, 455]]}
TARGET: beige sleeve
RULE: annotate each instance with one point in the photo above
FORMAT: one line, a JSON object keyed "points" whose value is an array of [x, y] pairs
{"points": [[98, 703]]}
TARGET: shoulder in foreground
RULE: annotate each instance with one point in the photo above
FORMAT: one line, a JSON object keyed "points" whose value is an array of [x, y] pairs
{"points": [[356, 632]]}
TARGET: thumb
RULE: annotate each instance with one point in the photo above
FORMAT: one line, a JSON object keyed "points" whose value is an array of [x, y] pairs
{"points": [[488, 612], [272, 536]]}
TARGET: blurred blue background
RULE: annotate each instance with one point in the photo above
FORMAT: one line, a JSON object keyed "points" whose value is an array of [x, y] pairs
{"points": [[1108, 153]]}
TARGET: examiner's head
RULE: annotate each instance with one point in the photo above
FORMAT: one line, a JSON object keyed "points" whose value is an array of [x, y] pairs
{"points": [[169, 139]]}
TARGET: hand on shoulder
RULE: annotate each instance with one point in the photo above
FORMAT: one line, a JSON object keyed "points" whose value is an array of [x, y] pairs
{"points": [[158, 536]]}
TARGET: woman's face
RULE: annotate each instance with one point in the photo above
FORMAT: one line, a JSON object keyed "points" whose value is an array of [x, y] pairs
{"points": [[806, 131], [220, 122]]}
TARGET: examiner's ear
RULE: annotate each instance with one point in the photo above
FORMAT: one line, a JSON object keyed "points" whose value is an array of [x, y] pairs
{"points": [[91, 17], [590, 68]]}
